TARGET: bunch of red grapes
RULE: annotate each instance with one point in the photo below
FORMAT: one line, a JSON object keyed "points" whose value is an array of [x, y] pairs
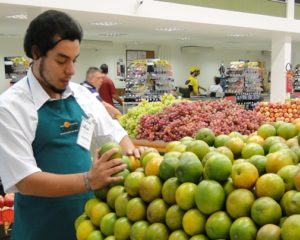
{"points": [[186, 118]]}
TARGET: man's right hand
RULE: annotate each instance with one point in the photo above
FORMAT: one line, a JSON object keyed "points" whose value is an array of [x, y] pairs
{"points": [[100, 175]]}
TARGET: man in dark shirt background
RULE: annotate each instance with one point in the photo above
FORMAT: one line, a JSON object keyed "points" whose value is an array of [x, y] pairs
{"points": [[107, 90]]}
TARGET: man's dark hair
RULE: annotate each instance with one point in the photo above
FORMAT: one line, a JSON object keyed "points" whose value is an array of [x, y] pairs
{"points": [[91, 70], [48, 29], [104, 68], [217, 80]]}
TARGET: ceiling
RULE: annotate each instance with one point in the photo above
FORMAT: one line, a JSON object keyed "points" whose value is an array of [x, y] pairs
{"points": [[137, 30]]}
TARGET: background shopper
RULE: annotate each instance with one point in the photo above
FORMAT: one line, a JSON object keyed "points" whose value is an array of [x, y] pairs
{"points": [[107, 90], [94, 79]]}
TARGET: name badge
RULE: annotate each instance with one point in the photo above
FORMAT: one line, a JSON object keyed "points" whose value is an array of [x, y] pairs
{"points": [[85, 134]]}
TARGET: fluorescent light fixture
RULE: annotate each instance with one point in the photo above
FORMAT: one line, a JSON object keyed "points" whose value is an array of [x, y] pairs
{"points": [[112, 34], [240, 35], [18, 16], [105, 24], [168, 29]]}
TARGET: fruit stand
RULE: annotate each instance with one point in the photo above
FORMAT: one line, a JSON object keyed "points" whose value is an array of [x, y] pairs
{"points": [[205, 186]]}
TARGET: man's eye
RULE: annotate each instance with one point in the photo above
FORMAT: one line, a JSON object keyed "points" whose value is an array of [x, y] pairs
{"points": [[61, 61]]}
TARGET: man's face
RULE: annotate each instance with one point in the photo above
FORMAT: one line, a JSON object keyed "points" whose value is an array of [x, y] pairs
{"points": [[58, 66], [96, 79]]}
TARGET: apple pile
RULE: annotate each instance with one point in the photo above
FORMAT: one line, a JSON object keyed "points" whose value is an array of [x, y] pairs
{"points": [[185, 118], [231, 186], [287, 111], [6, 211]]}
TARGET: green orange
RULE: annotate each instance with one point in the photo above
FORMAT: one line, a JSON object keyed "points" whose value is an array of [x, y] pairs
{"points": [[269, 232], [290, 229], [266, 130], [122, 228], [206, 135], [243, 228], [270, 185], [199, 147], [112, 195], [239, 202], [189, 168], [98, 212], [174, 216], [218, 167], [221, 140], [156, 211], [121, 204], [252, 149], [108, 146], [169, 189], [185, 194], [209, 196], [150, 188], [167, 167], [108, 223], [218, 225], [84, 229], [156, 231], [193, 222], [136, 209], [265, 210], [132, 183], [178, 235], [138, 230]]}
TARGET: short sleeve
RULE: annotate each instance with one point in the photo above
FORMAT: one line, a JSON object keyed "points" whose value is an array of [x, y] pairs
{"points": [[16, 155]]}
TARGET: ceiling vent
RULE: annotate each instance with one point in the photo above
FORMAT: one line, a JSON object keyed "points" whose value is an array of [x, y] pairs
{"points": [[266, 53], [195, 49], [96, 44]]}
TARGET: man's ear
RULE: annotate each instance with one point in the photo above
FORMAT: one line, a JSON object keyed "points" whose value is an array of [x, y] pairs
{"points": [[35, 51]]}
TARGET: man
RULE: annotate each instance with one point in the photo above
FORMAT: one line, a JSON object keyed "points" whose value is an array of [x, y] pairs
{"points": [[192, 82], [47, 123], [107, 90], [94, 79]]}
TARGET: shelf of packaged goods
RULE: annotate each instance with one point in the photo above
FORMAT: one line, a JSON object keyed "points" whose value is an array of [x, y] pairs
{"points": [[159, 145]]}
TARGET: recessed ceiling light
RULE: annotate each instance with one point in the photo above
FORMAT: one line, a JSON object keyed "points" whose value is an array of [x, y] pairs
{"points": [[184, 38], [238, 35], [168, 29], [105, 24], [18, 16], [112, 34]]}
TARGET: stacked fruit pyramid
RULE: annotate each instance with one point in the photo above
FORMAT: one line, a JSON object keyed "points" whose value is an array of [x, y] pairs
{"points": [[226, 187], [282, 111]]}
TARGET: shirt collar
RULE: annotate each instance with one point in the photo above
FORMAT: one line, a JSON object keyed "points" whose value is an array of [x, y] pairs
{"points": [[87, 84], [39, 95]]}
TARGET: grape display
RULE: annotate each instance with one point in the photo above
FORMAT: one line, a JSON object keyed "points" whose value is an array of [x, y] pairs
{"points": [[130, 120], [185, 118]]}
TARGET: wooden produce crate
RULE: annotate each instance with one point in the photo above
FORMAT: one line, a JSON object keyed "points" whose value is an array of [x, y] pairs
{"points": [[159, 145]]}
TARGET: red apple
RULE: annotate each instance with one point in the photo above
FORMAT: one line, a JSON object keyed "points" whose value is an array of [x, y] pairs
{"points": [[9, 199]]}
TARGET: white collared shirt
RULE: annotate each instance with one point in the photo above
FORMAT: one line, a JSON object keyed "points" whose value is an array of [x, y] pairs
{"points": [[18, 122]]}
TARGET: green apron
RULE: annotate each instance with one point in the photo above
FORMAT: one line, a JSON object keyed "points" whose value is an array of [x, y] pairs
{"points": [[55, 151]]}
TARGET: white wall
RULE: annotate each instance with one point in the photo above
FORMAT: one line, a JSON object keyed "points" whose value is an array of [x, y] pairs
{"points": [[209, 62]]}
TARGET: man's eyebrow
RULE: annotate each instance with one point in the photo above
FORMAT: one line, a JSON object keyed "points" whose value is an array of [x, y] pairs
{"points": [[66, 56]]}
